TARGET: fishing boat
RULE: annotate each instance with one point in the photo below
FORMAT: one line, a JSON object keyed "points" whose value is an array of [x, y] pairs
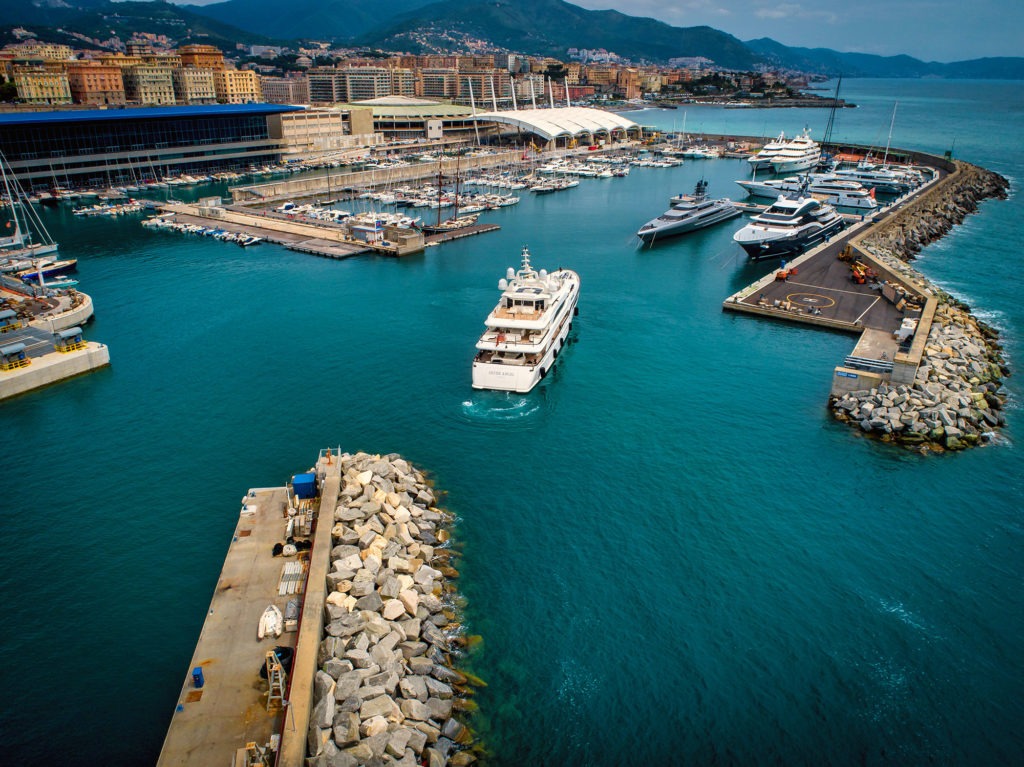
{"points": [[688, 214], [527, 329]]}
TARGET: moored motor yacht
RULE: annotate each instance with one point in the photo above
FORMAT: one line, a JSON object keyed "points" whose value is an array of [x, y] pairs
{"points": [[791, 225], [527, 329], [687, 214], [802, 153], [823, 186], [763, 159]]}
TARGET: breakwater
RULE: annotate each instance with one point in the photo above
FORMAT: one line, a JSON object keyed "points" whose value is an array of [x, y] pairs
{"points": [[932, 215], [956, 398], [386, 690]]}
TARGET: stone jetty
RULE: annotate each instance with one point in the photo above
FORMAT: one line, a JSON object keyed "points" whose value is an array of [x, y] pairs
{"points": [[930, 217], [386, 691], [956, 399]]}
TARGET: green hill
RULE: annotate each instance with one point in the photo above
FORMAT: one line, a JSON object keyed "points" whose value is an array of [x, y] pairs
{"points": [[551, 27]]}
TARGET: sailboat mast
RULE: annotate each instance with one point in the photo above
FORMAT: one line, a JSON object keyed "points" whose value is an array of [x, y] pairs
{"points": [[889, 140], [11, 199]]}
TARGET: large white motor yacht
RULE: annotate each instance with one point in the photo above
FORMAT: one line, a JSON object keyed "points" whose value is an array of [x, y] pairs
{"points": [[802, 153], [788, 227], [687, 214], [763, 159], [527, 329], [823, 186]]}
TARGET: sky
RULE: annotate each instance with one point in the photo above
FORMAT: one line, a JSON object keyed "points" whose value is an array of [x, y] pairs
{"points": [[931, 30]]}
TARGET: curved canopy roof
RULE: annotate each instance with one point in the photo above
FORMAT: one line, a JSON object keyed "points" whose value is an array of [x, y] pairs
{"points": [[561, 121]]}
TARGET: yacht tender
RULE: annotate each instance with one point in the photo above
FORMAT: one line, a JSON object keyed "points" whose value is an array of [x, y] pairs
{"points": [[527, 329]]}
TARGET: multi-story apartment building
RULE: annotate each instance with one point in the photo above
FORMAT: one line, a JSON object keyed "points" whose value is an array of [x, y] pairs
{"points": [[38, 50], [362, 83], [194, 85], [237, 86], [202, 56], [144, 84], [95, 83], [438, 83], [403, 82], [37, 85], [485, 86], [326, 86], [285, 90]]}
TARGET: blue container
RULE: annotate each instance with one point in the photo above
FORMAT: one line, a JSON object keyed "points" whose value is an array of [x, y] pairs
{"points": [[304, 485], [197, 677]]}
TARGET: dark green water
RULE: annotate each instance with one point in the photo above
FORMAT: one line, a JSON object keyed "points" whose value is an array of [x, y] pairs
{"points": [[673, 553]]}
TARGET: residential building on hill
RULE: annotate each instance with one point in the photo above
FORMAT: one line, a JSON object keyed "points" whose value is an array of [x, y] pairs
{"points": [[144, 84], [237, 86], [194, 85], [202, 56], [36, 85], [285, 90], [94, 83]]}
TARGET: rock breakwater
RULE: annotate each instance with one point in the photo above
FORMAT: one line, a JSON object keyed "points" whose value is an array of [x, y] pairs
{"points": [[930, 217], [386, 691], [956, 399]]}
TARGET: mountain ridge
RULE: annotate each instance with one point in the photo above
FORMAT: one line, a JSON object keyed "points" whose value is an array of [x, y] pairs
{"points": [[531, 27]]}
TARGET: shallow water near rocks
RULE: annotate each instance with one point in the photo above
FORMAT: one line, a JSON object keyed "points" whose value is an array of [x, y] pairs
{"points": [[671, 550]]}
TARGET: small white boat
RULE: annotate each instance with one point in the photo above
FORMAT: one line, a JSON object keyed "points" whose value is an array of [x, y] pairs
{"points": [[271, 622]]}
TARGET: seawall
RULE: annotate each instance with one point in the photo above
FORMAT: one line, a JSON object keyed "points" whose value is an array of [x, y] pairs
{"points": [[954, 399]]}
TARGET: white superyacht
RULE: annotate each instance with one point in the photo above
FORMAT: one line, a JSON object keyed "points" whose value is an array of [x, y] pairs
{"points": [[802, 153], [527, 329]]}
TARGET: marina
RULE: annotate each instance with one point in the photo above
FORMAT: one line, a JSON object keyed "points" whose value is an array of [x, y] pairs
{"points": [[819, 574]]}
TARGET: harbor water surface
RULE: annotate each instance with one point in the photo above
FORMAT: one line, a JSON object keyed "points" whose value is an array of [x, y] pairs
{"points": [[672, 552]]}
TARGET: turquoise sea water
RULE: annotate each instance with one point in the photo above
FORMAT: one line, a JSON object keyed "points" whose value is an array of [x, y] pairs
{"points": [[673, 553]]}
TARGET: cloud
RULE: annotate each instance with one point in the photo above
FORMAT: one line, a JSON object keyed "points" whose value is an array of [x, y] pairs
{"points": [[796, 11], [783, 11]]}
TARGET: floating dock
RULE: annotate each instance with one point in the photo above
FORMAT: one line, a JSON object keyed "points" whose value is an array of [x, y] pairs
{"points": [[458, 234]]}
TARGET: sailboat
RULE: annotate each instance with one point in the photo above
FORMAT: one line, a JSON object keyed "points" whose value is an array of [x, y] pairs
{"points": [[455, 222], [16, 242]]}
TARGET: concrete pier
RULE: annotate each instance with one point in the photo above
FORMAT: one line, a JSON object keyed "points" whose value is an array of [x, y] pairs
{"points": [[816, 289], [210, 724], [46, 365], [53, 367]]}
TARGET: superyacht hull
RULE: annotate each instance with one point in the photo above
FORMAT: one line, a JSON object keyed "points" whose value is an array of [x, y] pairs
{"points": [[790, 245], [685, 227]]}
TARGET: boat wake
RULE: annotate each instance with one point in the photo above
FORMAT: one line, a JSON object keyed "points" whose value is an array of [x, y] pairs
{"points": [[501, 407]]}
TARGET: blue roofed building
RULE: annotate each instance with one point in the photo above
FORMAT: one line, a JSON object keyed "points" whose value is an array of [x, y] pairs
{"points": [[111, 147]]}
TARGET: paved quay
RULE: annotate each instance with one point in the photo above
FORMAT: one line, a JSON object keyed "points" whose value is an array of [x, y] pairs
{"points": [[211, 723], [300, 242]]}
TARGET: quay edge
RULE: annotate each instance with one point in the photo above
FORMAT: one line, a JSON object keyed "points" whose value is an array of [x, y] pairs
{"points": [[941, 389], [376, 642]]}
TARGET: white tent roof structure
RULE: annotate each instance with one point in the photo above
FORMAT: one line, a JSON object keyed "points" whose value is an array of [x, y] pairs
{"points": [[559, 122]]}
